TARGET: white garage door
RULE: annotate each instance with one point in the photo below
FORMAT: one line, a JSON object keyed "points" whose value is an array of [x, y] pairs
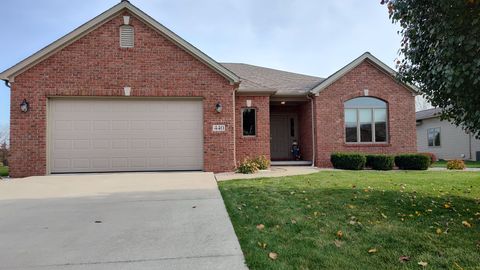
{"points": [[106, 135]]}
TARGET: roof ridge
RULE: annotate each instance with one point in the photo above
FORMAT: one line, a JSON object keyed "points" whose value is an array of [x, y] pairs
{"points": [[274, 69]]}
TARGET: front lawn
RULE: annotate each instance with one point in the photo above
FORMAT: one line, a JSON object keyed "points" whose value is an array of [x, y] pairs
{"points": [[3, 171], [358, 220], [468, 164]]}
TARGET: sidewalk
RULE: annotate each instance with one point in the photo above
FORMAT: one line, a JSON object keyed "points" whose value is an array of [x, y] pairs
{"points": [[275, 171]]}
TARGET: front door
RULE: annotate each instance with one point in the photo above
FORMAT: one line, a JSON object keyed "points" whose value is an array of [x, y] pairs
{"points": [[283, 131]]}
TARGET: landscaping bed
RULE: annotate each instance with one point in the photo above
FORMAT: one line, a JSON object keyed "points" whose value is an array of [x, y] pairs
{"points": [[358, 220]]}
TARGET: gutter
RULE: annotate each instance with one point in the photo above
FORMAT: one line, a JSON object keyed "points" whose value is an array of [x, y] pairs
{"points": [[7, 84]]}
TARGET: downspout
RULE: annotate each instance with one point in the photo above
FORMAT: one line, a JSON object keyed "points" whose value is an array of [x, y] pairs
{"points": [[234, 130], [7, 83], [313, 128]]}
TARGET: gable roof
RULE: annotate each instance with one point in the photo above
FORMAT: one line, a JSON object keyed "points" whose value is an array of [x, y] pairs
{"points": [[430, 113], [9, 74], [366, 56], [283, 82]]}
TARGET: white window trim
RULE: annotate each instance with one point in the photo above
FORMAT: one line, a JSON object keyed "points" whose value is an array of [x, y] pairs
{"points": [[255, 121]]}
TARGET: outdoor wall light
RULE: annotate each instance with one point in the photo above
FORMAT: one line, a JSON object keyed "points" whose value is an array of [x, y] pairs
{"points": [[24, 106], [218, 107]]}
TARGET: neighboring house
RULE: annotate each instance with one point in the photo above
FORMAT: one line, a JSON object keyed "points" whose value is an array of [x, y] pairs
{"points": [[444, 139], [124, 93]]}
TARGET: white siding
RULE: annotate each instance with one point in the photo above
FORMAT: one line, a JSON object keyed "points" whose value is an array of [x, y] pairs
{"points": [[453, 140]]}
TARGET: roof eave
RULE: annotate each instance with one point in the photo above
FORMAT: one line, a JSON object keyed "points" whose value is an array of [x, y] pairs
{"points": [[86, 28]]}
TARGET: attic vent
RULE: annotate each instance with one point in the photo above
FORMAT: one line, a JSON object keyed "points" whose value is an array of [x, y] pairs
{"points": [[126, 36]]}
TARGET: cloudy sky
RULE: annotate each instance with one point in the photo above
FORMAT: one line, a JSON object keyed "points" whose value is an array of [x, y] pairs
{"points": [[305, 36]]}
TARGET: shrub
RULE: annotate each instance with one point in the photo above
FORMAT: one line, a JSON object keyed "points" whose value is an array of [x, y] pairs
{"points": [[432, 156], [412, 162], [348, 161], [456, 165], [380, 162], [248, 166], [262, 162]]}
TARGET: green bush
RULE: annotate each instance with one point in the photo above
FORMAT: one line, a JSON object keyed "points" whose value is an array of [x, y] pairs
{"points": [[432, 156], [348, 161], [248, 166], [262, 162], [380, 162], [456, 165], [412, 162]]}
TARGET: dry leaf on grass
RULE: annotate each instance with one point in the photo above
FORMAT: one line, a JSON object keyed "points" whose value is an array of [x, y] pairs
{"points": [[438, 231], [262, 245], [403, 259], [372, 250], [466, 224], [339, 234], [338, 243], [423, 264], [260, 227], [273, 255]]}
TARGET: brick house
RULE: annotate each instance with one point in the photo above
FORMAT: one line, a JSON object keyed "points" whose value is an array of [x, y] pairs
{"points": [[124, 93]]}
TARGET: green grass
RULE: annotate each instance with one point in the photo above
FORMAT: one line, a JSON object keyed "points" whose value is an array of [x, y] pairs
{"points": [[468, 163], [397, 213], [3, 171]]}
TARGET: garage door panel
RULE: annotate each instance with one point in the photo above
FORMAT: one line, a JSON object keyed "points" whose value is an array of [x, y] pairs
{"points": [[94, 135]]}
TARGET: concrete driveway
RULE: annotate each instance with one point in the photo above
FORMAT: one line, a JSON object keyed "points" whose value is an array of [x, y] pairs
{"points": [[116, 221]]}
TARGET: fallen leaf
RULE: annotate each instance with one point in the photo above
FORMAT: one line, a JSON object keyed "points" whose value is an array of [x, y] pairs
{"points": [[466, 224], [339, 234], [384, 216], [424, 264], [262, 245], [372, 250], [403, 259], [447, 206], [438, 231], [350, 206], [273, 255], [260, 227], [338, 243], [293, 221]]}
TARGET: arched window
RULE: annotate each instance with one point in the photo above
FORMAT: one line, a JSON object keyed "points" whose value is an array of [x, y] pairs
{"points": [[366, 120]]}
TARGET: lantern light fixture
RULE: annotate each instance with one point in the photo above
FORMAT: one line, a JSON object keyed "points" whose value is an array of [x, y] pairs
{"points": [[218, 107], [24, 106]]}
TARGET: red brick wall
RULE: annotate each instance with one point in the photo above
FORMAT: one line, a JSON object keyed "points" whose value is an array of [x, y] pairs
{"points": [[95, 65], [305, 130], [253, 146], [329, 113]]}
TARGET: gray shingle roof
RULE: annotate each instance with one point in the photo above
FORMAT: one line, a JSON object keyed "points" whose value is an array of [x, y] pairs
{"points": [[284, 82], [430, 113]]}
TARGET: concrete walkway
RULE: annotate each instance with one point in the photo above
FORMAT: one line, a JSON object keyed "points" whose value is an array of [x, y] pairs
{"points": [[273, 172], [116, 221]]}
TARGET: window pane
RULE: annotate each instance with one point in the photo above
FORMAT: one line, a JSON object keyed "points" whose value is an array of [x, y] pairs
{"points": [[351, 125], [437, 137], [249, 128], [430, 135], [365, 125], [365, 102], [380, 116]]}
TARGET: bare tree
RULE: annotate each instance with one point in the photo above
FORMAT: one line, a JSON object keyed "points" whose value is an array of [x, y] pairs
{"points": [[4, 144], [422, 104]]}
